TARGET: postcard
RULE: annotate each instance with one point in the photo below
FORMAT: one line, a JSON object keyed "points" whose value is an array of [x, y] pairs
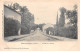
{"points": [[39, 25]]}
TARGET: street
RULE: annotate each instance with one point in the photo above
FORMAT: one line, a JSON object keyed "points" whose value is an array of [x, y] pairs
{"points": [[37, 35]]}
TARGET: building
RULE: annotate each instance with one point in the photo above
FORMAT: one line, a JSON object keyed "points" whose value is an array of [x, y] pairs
{"points": [[12, 14], [47, 26]]}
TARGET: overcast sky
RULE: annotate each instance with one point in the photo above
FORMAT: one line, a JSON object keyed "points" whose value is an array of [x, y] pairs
{"points": [[45, 11]]}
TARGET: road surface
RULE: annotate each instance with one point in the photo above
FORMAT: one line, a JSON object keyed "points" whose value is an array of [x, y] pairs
{"points": [[40, 36], [37, 35]]}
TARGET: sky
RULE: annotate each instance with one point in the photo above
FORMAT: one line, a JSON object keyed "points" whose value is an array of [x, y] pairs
{"points": [[45, 11]]}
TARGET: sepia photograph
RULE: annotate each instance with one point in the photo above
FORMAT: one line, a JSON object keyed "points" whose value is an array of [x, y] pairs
{"points": [[39, 25], [40, 21]]}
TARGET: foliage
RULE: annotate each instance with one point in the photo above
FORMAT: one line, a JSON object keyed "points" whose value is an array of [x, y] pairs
{"points": [[72, 16], [62, 10], [67, 32], [41, 26], [27, 19], [51, 29], [34, 27], [23, 9], [71, 31], [11, 27], [24, 30], [15, 6], [62, 17]]}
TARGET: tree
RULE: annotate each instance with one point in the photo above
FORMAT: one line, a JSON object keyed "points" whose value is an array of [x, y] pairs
{"points": [[62, 10], [23, 10], [15, 6], [75, 7], [41, 26], [62, 17], [27, 18], [72, 16]]}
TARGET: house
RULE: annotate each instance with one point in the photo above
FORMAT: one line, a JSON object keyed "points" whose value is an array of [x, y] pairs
{"points": [[47, 26], [12, 14]]}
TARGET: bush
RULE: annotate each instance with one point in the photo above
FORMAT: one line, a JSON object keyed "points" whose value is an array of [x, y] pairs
{"points": [[67, 32], [11, 27]]}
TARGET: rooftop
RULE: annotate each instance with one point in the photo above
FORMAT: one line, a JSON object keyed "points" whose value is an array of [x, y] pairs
{"points": [[12, 9]]}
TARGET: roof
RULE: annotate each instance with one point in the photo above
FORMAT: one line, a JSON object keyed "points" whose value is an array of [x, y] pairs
{"points": [[12, 9]]}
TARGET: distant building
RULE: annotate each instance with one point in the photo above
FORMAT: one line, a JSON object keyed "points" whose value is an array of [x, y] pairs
{"points": [[47, 26]]}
